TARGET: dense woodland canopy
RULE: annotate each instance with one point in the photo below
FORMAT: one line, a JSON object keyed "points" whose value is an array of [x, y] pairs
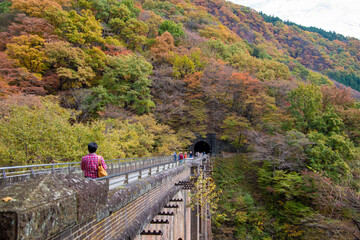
{"points": [[144, 77]]}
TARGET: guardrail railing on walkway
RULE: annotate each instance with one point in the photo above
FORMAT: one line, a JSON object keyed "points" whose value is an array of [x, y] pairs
{"points": [[14, 174], [120, 171], [71, 167], [120, 179]]}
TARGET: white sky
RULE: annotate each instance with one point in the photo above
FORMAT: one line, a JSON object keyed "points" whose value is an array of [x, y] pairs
{"points": [[341, 16]]}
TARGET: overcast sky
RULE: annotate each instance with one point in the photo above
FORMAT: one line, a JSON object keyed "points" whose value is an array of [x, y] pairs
{"points": [[341, 16]]}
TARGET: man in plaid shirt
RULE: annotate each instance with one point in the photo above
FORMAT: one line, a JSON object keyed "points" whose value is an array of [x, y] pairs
{"points": [[90, 163]]}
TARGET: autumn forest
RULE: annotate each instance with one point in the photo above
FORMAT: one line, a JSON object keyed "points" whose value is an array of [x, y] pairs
{"points": [[145, 77]]}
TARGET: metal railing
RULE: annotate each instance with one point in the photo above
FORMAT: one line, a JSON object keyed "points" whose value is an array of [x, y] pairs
{"points": [[10, 175], [120, 171], [120, 179]]}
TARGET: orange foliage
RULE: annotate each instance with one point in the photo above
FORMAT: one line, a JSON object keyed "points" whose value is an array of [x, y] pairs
{"points": [[242, 81], [193, 85], [116, 50], [162, 47], [246, 95]]}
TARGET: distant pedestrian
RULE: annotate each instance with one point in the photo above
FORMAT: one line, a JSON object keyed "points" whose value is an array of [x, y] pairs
{"points": [[90, 162], [181, 156], [190, 154], [185, 155], [175, 156]]}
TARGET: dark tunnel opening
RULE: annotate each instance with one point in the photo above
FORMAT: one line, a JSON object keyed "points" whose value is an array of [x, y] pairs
{"points": [[202, 147]]}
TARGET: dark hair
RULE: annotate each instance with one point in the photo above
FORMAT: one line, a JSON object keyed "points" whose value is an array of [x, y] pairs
{"points": [[92, 147]]}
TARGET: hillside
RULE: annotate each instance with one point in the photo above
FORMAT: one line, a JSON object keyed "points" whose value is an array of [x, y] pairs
{"points": [[145, 77]]}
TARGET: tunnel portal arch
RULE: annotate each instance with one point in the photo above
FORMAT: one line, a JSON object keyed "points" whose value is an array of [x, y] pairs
{"points": [[204, 144], [201, 147]]}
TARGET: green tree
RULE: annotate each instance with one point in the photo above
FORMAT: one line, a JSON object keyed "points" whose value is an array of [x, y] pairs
{"points": [[187, 64], [165, 140], [153, 22], [331, 154], [43, 134], [134, 33], [306, 105], [96, 101], [70, 64], [170, 26], [131, 6], [127, 78], [5, 6], [37, 130], [318, 79], [233, 130], [96, 58], [80, 28]]}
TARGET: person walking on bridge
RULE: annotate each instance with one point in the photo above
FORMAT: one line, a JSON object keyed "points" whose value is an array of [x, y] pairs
{"points": [[90, 162], [181, 156], [174, 156]]}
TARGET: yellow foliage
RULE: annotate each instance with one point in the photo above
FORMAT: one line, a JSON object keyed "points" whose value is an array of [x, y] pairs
{"points": [[28, 51], [263, 69], [43, 134], [163, 137], [204, 193], [293, 231], [221, 32], [38, 8], [241, 217]]}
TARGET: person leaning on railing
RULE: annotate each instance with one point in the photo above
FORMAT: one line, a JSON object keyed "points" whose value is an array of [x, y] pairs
{"points": [[90, 162]]}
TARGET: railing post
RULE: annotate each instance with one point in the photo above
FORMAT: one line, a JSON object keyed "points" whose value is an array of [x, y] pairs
{"points": [[158, 169], [69, 169], [32, 172], [126, 181], [53, 169], [108, 183], [140, 172], [149, 171], [4, 173]]}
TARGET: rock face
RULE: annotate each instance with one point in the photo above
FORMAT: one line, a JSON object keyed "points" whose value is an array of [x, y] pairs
{"points": [[44, 206]]}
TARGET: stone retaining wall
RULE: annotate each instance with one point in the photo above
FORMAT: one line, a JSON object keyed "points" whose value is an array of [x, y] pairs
{"points": [[64, 207]]}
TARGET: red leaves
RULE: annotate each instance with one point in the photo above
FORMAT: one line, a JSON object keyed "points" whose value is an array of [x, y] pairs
{"points": [[17, 80], [27, 25], [337, 96], [116, 50]]}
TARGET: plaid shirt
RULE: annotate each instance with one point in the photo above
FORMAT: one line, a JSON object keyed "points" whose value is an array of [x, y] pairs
{"points": [[89, 164]]}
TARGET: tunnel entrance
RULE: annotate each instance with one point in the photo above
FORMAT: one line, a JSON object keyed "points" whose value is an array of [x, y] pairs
{"points": [[202, 147]]}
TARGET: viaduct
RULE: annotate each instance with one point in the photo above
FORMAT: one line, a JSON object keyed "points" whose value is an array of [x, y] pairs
{"points": [[156, 206]]}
